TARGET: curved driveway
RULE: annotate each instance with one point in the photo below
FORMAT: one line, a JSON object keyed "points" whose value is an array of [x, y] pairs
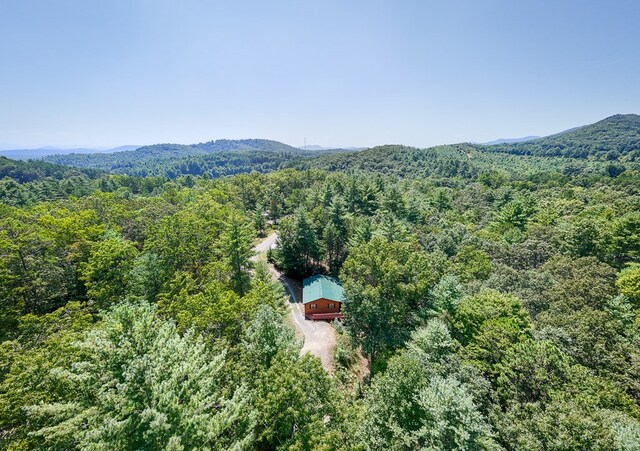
{"points": [[319, 336]]}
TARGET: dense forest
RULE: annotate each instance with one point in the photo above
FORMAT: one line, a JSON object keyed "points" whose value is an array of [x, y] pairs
{"points": [[31, 171], [492, 302], [459, 160]]}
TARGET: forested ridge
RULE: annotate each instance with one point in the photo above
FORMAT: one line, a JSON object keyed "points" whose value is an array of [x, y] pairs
{"points": [[495, 298], [596, 147], [214, 158], [31, 171], [614, 138], [458, 160]]}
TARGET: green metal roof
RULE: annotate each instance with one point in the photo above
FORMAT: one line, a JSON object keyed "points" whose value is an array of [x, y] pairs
{"points": [[317, 287]]}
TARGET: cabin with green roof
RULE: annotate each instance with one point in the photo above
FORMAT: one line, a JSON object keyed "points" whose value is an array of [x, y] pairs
{"points": [[322, 297]]}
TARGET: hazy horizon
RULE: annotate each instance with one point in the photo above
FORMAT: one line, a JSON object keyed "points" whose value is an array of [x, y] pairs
{"points": [[87, 75], [308, 144]]}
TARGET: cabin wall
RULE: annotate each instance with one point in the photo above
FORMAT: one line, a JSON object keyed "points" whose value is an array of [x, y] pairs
{"points": [[322, 306]]}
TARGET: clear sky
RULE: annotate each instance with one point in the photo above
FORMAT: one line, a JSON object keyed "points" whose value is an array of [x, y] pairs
{"points": [[340, 73]]}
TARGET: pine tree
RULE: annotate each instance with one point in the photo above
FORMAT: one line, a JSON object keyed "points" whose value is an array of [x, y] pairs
{"points": [[297, 244], [236, 243], [335, 237], [140, 385]]}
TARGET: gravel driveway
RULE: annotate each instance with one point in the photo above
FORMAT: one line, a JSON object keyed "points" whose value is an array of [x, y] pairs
{"points": [[319, 336]]}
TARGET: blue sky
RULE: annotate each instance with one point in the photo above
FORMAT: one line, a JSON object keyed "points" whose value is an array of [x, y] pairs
{"points": [[340, 73]]}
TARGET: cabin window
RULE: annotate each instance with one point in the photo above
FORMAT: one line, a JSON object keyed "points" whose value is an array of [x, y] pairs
{"points": [[313, 306], [332, 306]]}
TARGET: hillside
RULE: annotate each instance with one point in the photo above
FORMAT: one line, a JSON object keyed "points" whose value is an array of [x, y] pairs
{"points": [[31, 171], [594, 149], [614, 138], [214, 158], [468, 161], [26, 182]]}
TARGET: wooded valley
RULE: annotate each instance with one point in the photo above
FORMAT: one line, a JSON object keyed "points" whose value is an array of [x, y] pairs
{"points": [[492, 296]]}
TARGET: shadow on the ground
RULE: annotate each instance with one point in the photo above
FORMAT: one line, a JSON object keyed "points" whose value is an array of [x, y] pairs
{"points": [[294, 287]]}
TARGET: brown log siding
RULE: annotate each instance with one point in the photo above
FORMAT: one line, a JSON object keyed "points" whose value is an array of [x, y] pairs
{"points": [[322, 306]]}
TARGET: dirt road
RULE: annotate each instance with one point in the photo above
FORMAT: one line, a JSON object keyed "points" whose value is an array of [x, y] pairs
{"points": [[264, 246], [319, 336]]}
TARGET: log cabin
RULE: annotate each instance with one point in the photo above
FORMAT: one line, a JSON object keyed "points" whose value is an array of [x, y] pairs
{"points": [[322, 297]]}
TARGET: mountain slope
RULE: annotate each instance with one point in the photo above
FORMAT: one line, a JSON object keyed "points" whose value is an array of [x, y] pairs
{"points": [[587, 150], [614, 138], [467, 161]]}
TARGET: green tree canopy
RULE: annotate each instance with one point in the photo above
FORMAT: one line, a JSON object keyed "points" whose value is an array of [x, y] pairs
{"points": [[386, 284], [138, 384]]}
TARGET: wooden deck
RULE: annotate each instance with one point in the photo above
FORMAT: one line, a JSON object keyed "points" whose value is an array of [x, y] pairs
{"points": [[324, 316]]}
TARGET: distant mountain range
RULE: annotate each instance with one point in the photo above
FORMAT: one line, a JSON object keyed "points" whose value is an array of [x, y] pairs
{"points": [[511, 140], [40, 152], [316, 147], [614, 139], [215, 158], [170, 151]]}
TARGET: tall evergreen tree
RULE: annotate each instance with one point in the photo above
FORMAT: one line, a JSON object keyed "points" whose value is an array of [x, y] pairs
{"points": [[236, 243], [335, 236], [140, 385], [297, 244]]}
